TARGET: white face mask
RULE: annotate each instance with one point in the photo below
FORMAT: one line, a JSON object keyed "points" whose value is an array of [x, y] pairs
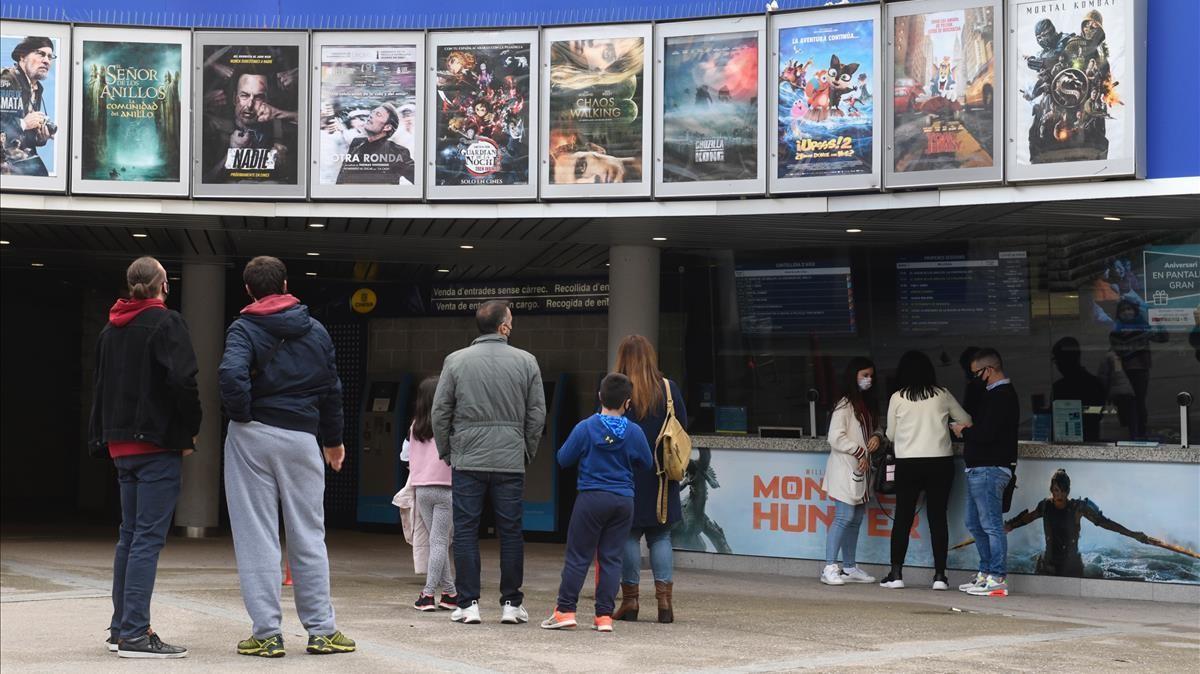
{"points": [[864, 383]]}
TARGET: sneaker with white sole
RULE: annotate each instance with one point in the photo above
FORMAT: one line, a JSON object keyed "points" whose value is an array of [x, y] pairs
{"points": [[513, 615], [992, 587], [560, 621], [149, 646], [832, 575], [856, 575], [941, 582], [979, 579], [892, 582], [467, 615]]}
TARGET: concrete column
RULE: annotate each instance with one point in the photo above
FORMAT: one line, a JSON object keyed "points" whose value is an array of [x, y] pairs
{"points": [[203, 284], [632, 295]]}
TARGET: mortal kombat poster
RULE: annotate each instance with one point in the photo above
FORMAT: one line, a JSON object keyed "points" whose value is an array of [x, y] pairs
{"points": [[368, 110], [1071, 74], [131, 111], [596, 108], [250, 114], [710, 107], [483, 114], [29, 119], [944, 90]]}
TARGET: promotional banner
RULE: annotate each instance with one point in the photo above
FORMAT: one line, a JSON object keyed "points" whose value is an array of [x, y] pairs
{"points": [[1173, 287], [944, 90], [367, 110], [250, 97], [33, 106], [1089, 519], [1073, 89]]}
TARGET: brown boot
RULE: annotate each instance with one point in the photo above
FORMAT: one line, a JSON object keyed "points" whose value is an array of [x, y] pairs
{"points": [[662, 592], [628, 610]]}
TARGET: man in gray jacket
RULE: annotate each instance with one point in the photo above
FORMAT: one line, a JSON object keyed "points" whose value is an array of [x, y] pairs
{"points": [[489, 412]]}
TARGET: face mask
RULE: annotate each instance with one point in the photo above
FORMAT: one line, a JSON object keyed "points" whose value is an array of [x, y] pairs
{"points": [[864, 383]]}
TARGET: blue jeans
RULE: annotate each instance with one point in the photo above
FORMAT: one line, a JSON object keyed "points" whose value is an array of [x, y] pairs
{"points": [[599, 528], [662, 561], [470, 488], [843, 533], [149, 489], [985, 516]]}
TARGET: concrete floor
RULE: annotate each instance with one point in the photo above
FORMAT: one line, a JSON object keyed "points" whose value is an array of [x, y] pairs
{"points": [[54, 611]]}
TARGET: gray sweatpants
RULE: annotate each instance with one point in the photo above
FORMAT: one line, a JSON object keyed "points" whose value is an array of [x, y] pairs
{"points": [[434, 504], [266, 467]]}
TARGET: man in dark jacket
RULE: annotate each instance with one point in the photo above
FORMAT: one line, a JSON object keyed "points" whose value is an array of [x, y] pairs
{"points": [[145, 415], [990, 453], [280, 389]]}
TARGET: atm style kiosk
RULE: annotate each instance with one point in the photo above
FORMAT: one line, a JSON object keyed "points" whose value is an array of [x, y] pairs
{"points": [[381, 474], [542, 491]]}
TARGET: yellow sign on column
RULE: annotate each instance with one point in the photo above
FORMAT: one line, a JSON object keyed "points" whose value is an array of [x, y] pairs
{"points": [[363, 301]]}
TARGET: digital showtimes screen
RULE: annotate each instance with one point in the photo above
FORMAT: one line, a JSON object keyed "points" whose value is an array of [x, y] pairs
{"points": [[963, 294], [811, 297]]}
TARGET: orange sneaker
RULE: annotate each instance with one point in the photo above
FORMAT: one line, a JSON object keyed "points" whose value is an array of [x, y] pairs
{"points": [[559, 621], [603, 623]]}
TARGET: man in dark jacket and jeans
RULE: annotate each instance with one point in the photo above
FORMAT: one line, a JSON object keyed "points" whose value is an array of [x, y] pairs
{"points": [[280, 389], [145, 415]]}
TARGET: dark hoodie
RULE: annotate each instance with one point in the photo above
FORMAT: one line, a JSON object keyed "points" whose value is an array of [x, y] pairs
{"points": [[607, 449], [297, 387]]}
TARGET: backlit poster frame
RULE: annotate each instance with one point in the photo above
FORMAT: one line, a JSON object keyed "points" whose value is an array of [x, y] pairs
{"points": [[300, 41], [81, 82], [704, 29], [819, 18], [639, 189], [975, 97], [532, 107], [1128, 64], [366, 40], [61, 33]]}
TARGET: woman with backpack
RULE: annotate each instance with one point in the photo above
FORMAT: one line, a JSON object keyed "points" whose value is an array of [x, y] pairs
{"points": [[854, 434], [637, 360]]}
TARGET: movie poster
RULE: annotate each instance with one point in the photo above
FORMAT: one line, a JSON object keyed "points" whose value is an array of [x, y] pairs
{"points": [[251, 114], [827, 88], [596, 111], [31, 112], [368, 109], [1073, 71], [943, 90], [132, 107], [482, 134], [710, 107]]}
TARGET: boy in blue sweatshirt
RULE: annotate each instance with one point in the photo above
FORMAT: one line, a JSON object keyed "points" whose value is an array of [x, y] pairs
{"points": [[607, 448]]}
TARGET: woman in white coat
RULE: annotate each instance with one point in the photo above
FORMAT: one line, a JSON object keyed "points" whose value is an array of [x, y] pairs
{"points": [[853, 434]]}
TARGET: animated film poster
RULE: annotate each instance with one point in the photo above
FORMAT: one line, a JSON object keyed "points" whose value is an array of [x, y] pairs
{"points": [[944, 90], [826, 99], [482, 114], [368, 108], [596, 111], [1072, 70], [30, 119], [131, 99], [710, 107], [251, 99]]}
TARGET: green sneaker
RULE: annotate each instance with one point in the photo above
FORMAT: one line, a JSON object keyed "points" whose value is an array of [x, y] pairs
{"points": [[333, 643], [271, 647]]}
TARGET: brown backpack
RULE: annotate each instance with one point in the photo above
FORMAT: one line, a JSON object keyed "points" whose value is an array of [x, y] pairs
{"points": [[676, 453]]}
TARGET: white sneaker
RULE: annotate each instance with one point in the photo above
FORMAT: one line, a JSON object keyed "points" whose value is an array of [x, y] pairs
{"points": [[992, 587], [468, 615], [941, 582], [892, 583], [832, 575], [979, 579], [513, 615], [857, 575]]}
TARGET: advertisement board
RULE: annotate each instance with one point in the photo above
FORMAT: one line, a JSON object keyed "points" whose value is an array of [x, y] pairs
{"points": [[367, 115], [596, 102], [583, 295], [1102, 524], [942, 104], [483, 115], [709, 107], [131, 125], [826, 73], [1074, 88], [249, 115], [33, 106], [1173, 287]]}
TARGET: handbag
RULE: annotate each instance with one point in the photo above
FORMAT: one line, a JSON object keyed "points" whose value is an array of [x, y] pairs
{"points": [[1010, 488], [884, 471], [676, 453]]}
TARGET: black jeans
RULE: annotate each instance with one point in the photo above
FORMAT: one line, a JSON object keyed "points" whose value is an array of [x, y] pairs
{"points": [[934, 476], [470, 488], [599, 528], [149, 490]]}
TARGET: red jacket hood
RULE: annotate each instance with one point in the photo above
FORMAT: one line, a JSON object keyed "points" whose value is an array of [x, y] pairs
{"points": [[125, 311], [271, 304]]}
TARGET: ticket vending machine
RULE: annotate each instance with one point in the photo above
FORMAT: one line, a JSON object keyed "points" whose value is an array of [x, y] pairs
{"points": [[542, 476], [384, 427]]}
